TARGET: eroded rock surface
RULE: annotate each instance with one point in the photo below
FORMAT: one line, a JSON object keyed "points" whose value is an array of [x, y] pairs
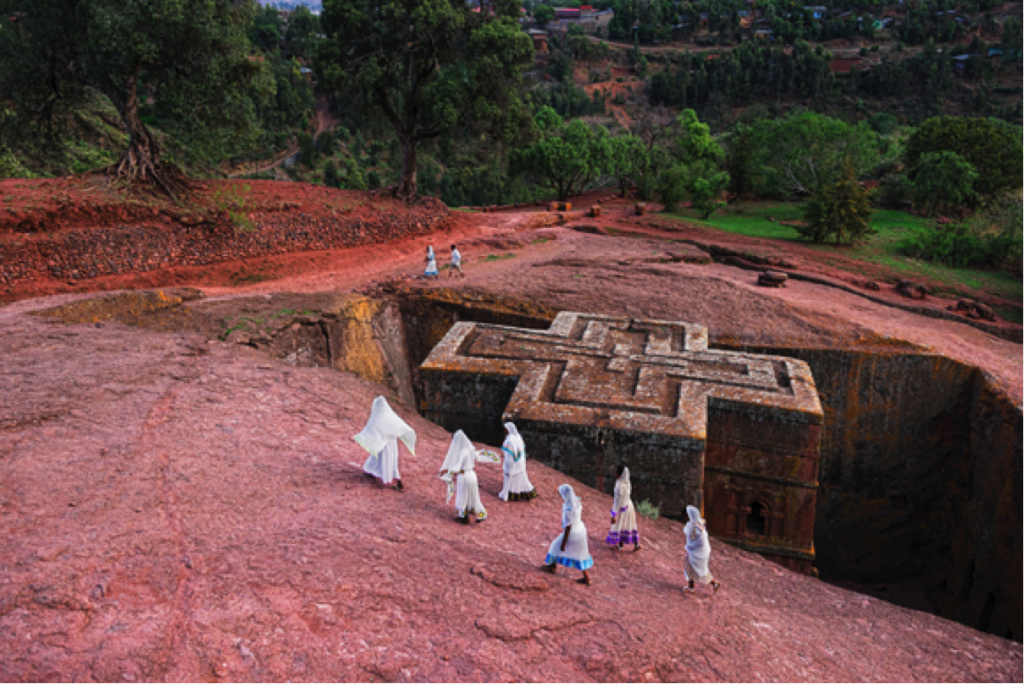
{"points": [[178, 509]]}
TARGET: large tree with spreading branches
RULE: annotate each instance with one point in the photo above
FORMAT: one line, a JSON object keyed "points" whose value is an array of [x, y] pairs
{"points": [[57, 51], [427, 65]]}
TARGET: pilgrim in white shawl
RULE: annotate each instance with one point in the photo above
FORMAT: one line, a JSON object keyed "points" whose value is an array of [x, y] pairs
{"points": [[698, 552], [431, 271], [624, 528], [571, 548], [380, 437], [517, 484], [458, 471]]}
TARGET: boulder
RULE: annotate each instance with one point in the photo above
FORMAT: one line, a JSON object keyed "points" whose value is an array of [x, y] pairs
{"points": [[772, 279]]}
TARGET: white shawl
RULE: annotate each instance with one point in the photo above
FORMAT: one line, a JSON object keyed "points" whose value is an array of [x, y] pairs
{"points": [[383, 428], [514, 446], [462, 457], [572, 506], [698, 548]]}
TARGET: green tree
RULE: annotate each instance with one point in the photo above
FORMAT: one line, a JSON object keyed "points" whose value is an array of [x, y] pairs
{"points": [[625, 159], [265, 30], [944, 181], [427, 64], [567, 156], [303, 27], [193, 52], [542, 14], [992, 149], [840, 211], [803, 153], [697, 175]]}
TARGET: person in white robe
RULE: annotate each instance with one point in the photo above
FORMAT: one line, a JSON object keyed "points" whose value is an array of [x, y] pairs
{"points": [[458, 470], [571, 547], [698, 552], [517, 485], [431, 271], [380, 437], [624, 529]]}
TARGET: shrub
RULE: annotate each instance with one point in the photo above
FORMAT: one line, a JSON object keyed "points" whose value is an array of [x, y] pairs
{"points": [[840, 212], [648, 510], [953, 244], [895, 191], [944, 181], [331, 177], [884, 123]]}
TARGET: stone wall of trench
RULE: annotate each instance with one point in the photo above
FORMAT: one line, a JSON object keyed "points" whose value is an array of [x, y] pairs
{"points": [[920, 478]]}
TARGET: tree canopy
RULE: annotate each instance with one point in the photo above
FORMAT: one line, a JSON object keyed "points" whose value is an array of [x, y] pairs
{"points": [[567, 156], [801, 154], [991, 148], [426, 65], [193, 52]]}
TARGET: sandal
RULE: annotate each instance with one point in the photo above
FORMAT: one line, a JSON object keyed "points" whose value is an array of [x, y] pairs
{"points": [[548, 568], [584, 581]]}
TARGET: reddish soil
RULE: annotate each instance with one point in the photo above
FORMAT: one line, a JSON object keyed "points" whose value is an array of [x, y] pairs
{"points": [[826, 315], [173, 509]]}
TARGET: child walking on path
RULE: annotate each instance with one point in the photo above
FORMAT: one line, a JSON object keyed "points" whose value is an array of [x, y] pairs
{"points": [[456, 263], [698, 552], [624, 530], [570, 548]]}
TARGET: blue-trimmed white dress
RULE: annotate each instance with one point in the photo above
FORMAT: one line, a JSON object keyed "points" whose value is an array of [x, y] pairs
{"points": [[577, 550], [431, 271]]}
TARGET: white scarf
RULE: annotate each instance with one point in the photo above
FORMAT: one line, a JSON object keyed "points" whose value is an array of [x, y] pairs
{"points": [[572, 506], [460, 458], [384, 427], [514, 442], [698, 548]]}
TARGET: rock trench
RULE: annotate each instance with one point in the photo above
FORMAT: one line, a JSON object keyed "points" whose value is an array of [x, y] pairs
{"points": [[914, 443]]}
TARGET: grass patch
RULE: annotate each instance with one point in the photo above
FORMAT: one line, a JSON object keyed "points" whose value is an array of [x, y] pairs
{"points": [[648, 510], [499, 257], [753, 220]]}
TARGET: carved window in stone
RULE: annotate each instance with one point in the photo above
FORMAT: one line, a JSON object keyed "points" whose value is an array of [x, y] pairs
{"points": [[756, 519]]}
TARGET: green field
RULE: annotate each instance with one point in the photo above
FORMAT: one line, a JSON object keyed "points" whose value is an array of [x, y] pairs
{"points": [[752, 219]]}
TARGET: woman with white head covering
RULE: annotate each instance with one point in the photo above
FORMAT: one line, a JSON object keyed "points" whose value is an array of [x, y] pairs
{"points": [[698, 552], [380, 437], [517, 484], [624, 528], [571, 548], [458, 471], [431, 271]]}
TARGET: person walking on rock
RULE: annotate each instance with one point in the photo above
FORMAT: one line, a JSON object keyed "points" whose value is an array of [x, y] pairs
{"points": [[517, 484], [571, 547], [456, 263], [380, 437], [458, 471], [698, 552], [431, 271], [624, 528]]}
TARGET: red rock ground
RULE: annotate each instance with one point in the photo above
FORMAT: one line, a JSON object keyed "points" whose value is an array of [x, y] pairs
{"points": [[176, 509]]}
